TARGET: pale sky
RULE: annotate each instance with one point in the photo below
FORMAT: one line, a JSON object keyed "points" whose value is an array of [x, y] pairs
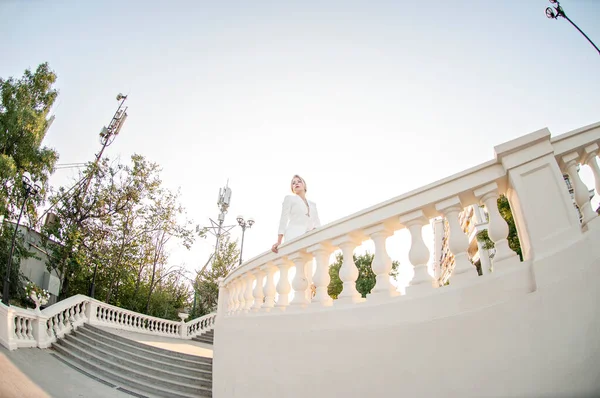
{"points": [[365, 99]]}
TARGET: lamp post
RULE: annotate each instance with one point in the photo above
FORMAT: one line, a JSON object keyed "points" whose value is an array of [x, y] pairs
{"points": [[559, 12], [92, 291], [244, 224], [30, 189]]}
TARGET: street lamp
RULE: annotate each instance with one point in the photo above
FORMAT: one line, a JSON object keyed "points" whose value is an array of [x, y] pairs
{"points": [[244, 224], [30, 189], [557, 11]]}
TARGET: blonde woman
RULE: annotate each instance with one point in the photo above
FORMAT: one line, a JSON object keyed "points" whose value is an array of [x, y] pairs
{"points": [[298, 214]]}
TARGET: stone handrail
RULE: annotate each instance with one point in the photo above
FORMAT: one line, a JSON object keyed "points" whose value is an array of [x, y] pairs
{"points": [[528, 170], [103, 314], [30, 328], [24, 322], [63, 317], [198, 326]]}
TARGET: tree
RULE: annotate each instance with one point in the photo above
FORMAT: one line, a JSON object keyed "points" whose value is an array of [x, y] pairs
{"points": [[207, 280], [366, 277], [123, 229], [513, 237], [24, 107]]}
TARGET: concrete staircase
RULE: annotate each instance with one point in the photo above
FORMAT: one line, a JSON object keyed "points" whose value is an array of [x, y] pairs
{"points": [[135, 368], [206, 338]]}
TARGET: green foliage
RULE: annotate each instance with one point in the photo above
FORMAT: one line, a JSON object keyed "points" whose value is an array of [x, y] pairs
{"points": [[122, 225], [366, 277], [513, 237], [24, 107], [207, 280]]}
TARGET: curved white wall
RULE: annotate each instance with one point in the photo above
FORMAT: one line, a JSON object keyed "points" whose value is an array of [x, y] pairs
{"points": [[530, 331]]}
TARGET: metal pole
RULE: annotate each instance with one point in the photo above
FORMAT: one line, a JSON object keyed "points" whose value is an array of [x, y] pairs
{"points": [[6, 287], [560, 12], [242, 246], [581, 31]]}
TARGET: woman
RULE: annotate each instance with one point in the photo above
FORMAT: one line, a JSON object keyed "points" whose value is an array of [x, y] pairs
{"points": [[298, 215]]}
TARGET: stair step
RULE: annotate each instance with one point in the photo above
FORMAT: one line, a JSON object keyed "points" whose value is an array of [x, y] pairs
{"points": [[146, 347], [150, 368], [119, 381], [108, 365], [203, 340], [134, 347], [193, 369]]}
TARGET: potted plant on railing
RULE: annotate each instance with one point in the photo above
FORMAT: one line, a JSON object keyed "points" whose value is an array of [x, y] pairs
{"points": [[38, 295]]}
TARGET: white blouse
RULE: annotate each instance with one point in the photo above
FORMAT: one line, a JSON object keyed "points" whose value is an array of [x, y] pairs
{"points": [[296, 219]]}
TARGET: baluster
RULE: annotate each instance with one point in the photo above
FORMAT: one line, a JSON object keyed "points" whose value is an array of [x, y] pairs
{"points": [[497, 228], [259, 275], [418, 254], [18, 327], [75, 313], [56, 325], [235, 298], [269, 290], [80, 314], [248, 298], [308, 271], [382, 263], [232, 296], [300, 282], [229, 306], [84, 310], [70, 318], [61, 321], [591, 153], [321, 279], [581, 191], [30, 329], [348, 270], [49, 327], [458, 243], [241, 293], [283, 286]]}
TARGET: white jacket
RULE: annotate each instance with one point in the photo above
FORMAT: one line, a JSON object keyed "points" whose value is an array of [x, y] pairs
{"points": [[295, 219]]}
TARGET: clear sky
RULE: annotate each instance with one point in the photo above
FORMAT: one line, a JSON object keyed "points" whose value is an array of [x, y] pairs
{"points": [[365, 99]]}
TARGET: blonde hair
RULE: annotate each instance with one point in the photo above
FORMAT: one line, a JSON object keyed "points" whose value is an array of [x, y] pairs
{"points": [[301, 179]]}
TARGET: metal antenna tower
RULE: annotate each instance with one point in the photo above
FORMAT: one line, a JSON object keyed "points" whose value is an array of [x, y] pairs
{"points": [[217, 228]]}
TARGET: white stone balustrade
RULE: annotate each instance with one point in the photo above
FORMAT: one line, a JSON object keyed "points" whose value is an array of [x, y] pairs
{"points": [[591, 159], [348, 270], [382, 263], [301, 261], [23, 332], [269, 288], [498, 228], [418, 254], [200, 325], [526, 170], [457, 240], [581, 191], [321, 279], [258, 294], [241, 291], [236, 296], [248, 297], [283, 286], [28, 328]]}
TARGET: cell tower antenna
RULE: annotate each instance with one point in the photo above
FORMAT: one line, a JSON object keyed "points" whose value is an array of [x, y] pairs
{"points": [[217, 228]]}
